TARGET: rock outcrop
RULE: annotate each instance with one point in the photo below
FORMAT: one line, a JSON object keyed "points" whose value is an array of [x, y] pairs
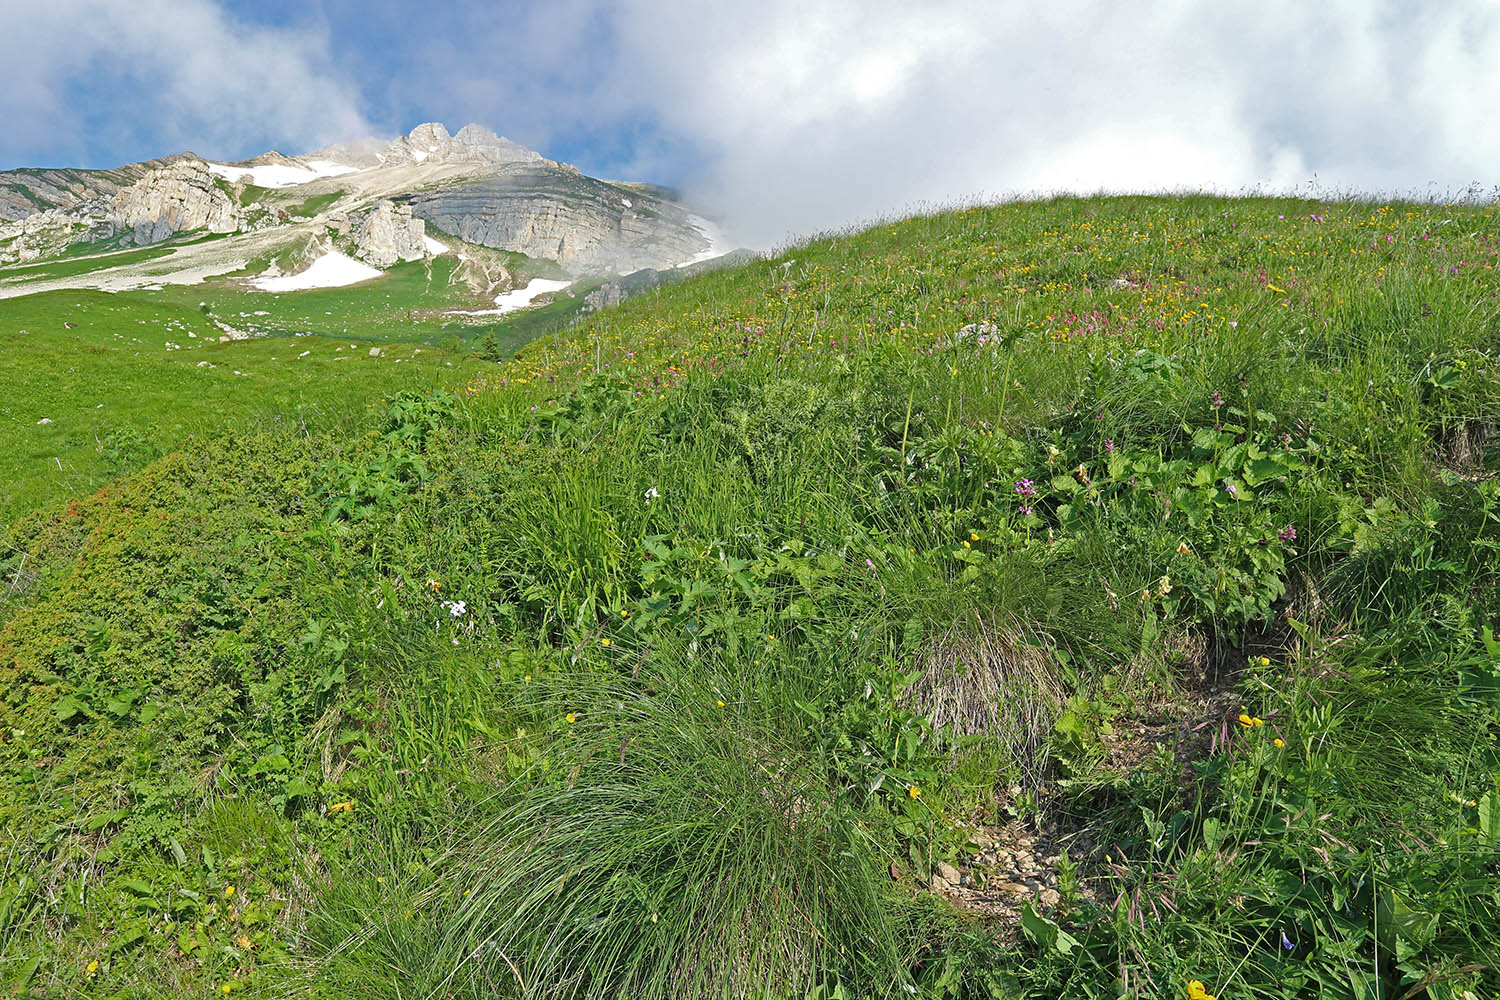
{"points": [[52, 232], [388, 234], [175, 199], [550, 210], [28, 191]]}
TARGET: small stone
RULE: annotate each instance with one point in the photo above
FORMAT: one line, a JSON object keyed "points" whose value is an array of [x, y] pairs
{"points": [[1050, 897], [374, 352], [948, 873], [938, 884], [45, 420]]}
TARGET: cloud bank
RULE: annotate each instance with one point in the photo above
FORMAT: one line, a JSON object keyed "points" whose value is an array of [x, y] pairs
{"points": [[819, 115], [101, 81], [789, 116]]}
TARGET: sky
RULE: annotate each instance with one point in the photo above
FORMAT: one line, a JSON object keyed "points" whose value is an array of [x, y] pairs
{"points": [[785, 117]]}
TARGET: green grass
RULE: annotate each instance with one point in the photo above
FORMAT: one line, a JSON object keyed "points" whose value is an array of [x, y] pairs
{"points": [[97, 366], [83, 258], [70, 267], [673, 656], [310, 207]]}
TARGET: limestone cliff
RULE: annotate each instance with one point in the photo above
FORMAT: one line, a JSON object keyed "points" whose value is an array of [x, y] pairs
{"points": [[28, 191], [389, 233], [175, 199], [550, 210]]}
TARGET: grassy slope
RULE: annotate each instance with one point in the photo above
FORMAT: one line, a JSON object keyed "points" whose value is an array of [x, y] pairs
{"points": [[712, 550], [98, 367]]}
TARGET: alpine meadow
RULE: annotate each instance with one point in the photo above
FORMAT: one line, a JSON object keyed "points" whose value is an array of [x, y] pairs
{"points": [[1084, 597]]}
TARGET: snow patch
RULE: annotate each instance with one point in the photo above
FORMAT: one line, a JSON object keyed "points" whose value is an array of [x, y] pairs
{"points": [[327, 168], [519, 298], [718, 246], [625, 202], [280, 175], [434, 247], [419, 155], [332, 270]]}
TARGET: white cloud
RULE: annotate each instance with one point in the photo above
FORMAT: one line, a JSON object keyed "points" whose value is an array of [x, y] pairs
{"points": [[103, 73], [785, 116], [819, 114]]}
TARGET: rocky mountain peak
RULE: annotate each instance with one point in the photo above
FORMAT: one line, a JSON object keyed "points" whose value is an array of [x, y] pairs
{"points": [[431, 142]]}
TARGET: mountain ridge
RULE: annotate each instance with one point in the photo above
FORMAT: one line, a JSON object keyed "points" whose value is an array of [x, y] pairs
{"points": [[473, 185]]}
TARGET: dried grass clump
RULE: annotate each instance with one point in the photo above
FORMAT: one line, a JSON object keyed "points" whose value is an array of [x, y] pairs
{"points": [[1003, 681]]}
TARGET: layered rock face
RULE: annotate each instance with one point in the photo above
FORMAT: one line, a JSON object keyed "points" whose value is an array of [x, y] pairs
{"points": [[550, 210], [389, 234], [175, 199], [26, 192], [474, 185]]}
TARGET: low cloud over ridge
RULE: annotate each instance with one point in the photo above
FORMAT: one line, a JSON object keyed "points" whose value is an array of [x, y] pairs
{"points": [[102, 81], [786, 117]]}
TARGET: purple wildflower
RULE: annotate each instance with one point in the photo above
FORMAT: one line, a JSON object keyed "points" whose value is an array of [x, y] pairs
{"points": [[1287, 534], [1217, 400], [1025, 488], [1231, 489], [1109, 445], [1286, 942], [1025, 509]]}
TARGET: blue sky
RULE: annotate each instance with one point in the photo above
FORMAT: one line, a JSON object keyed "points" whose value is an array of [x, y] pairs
{"points": [[787, 116]]}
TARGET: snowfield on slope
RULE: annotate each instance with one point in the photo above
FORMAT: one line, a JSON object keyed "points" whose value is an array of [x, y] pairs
{"points": [[517, 298], [281, 175], [718, 245], [332, 270]]}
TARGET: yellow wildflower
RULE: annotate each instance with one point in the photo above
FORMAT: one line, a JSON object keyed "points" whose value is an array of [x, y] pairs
{"points": [[721, 702], [1197, 992], [228, 891], [92, 968], [571, 717], [436, 586], [340, 807], [973, 537], [1257, 721], [1245, 720], [1279, 742], [913, 791], [244, 942], [604, 642], [1164, 585], [1265, 661], [1182, 548]]}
